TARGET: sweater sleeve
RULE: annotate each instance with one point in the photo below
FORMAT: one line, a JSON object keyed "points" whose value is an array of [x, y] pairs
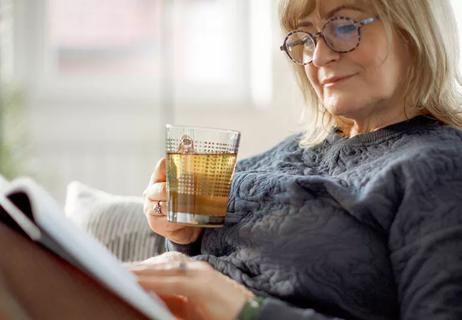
{"points": [[192, 249], [425, 241], [273, 309]]}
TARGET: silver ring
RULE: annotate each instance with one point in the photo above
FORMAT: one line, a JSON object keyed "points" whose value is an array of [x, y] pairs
{"points": [[157, 209]]}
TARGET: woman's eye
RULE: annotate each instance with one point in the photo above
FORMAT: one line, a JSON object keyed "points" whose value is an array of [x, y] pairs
{"points": [[346, 29]]}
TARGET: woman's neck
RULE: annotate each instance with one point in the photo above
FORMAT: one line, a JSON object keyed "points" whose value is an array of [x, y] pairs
{"points": [[378, 121]]}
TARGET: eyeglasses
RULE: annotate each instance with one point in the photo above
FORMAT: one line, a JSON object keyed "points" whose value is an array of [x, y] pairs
{"points": [[341, 34]]}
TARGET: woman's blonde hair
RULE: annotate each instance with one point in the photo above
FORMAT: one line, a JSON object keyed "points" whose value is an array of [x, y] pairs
{"points": [[433, 83]]}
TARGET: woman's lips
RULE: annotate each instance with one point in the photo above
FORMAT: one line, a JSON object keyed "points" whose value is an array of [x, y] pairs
{"points": [[328, 83]]}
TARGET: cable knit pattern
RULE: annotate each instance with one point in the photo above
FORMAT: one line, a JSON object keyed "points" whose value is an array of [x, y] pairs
{"points": [[362, 228]]}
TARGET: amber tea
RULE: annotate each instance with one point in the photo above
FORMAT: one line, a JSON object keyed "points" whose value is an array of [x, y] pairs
{"points": [[198, 186], [200, 166]]}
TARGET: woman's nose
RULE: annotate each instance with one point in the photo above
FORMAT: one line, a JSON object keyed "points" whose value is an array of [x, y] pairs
{"points": [[323, 54]]}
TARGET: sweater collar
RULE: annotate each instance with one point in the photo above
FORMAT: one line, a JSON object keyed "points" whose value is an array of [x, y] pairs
{"points": [[418, 122]]}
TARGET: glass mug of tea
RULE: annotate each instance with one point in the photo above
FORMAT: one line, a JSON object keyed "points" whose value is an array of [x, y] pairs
{"points": [[200, 167]]}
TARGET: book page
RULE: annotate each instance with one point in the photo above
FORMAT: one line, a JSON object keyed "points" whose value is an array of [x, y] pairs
{"points": [[88, 252]]}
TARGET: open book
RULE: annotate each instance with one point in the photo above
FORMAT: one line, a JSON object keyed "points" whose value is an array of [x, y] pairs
{"points": [[35, 213]]}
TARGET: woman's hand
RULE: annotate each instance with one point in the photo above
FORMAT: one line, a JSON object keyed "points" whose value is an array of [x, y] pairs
{"points": [[155, 195], [166, 258], [210, 294]]}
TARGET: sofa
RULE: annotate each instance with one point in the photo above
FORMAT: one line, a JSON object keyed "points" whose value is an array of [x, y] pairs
{"points": [[116, 221]]}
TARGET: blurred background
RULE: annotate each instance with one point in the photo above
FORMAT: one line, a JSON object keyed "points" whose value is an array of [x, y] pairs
{"points": [[87, 86]]}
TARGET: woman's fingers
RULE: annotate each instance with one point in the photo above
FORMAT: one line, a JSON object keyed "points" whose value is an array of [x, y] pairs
{"points": [[159, 172], [215, 295], [156, 214], [182, 308], [155, 208], [170, 285], [169, 263], [160, 223], [159, 270], [157, 187], [169, 258], [166, 278], [171, 278], [156, 191], [165, 228], [157, 220]]}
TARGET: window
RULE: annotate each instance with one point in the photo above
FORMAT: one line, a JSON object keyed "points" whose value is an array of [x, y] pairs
{"points": [[200, 52], [104, 77], [210, 42], [105, 38]]}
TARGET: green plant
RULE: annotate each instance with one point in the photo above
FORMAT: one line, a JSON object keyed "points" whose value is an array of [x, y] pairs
{"points": [[12, 146]]}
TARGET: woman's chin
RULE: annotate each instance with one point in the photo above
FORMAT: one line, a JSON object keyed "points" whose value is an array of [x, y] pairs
{"points": [[341, 110]]}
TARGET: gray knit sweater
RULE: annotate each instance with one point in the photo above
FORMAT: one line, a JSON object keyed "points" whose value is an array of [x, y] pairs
{"points": [[362, 228]]}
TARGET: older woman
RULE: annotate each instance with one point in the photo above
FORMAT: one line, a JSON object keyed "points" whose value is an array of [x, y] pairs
{"points": [[360, 216]]}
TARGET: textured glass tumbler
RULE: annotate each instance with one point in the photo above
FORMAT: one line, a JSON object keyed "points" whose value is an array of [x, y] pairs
{"points": [[200, 167]]}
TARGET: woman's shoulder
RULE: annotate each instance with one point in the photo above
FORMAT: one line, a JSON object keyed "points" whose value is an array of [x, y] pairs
{"points": [[438, 149], [435, 141], [418, 159], [430, 163], [443, 132], [429, 175]]}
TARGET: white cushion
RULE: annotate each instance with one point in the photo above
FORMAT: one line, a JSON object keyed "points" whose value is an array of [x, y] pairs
{"points": [[117, 221]]}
